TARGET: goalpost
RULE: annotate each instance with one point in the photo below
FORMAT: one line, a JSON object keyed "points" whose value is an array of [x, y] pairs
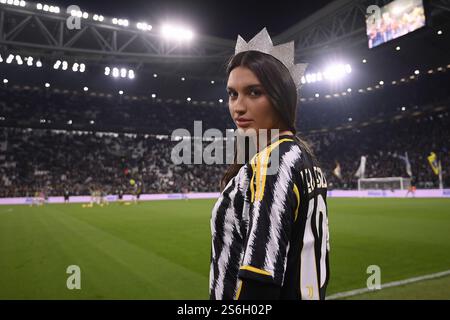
{"points": [[387, 183]]}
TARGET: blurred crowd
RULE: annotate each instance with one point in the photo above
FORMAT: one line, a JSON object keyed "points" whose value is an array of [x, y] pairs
{"points": [[32, 160]]}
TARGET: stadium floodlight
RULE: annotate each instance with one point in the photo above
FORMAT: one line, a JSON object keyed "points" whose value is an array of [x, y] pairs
{"points": [[364, 61], [416, 71], [82, 67], [46, 7], [153, 95], [85, 89], [30, 61], [121, 92], [212, 81], [65, 65], [397, 48], [92, 122], [317, 95], [5, 81], [115, 73], [107, 71], [10, 58], [336, 71], [131, 74], [75, 67], [1, 58], [115, 20], [439, 32], [19, 60], [85, 15], [155, 75], [39, 64], [179, 33], [349, 90], [220, 100], [183, 78], [144, 26], [47, 85], [123, 73], [403, 108], [101, 18], [381, 82], [188, 99], [350, 119], [39, 6], [23, 3], [69, 122], [57, 64]]}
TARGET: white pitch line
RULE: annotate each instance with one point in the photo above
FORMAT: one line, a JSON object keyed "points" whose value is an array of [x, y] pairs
{"points": [[388, 285]]}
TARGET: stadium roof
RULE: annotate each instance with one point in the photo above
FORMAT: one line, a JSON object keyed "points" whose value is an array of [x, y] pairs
{"points": [[323, 33]]}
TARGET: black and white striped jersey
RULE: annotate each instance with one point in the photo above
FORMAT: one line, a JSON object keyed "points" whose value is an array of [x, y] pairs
{"points": [[272, 225]]}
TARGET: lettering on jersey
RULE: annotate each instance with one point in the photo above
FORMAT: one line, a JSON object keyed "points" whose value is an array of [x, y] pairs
{"points": [[314, 181]]}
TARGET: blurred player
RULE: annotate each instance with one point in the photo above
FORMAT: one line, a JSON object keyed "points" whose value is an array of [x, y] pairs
{"points": [[66, 195]]}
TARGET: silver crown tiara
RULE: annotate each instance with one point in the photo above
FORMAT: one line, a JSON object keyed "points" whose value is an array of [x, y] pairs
{"points": [[283, 52]]}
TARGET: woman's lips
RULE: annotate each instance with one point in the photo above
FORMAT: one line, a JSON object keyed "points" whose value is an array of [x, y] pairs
{"points": [[243, 123]]}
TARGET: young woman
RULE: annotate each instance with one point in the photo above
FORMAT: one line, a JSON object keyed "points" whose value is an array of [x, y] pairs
{"points": [[269, 232]]}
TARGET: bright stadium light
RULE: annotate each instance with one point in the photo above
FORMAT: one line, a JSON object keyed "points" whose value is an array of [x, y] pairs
{"points": [[364, 61], [107, 71], [416, 72], [317, 95], [121, 92], [131, 74], [47, 85], [92, 122], [1, 58], [69, 122], [397, 48], [65, 65], [439, 32], [115, 73], [123, 73], [220, 100], [85, 89], [39, 6], [29, 61], [183, 78], [188, 99], [57, 64], [381, 82], [82, 67], [212, 82], [9, 59], [85, 15], [75, 67], [403, 108], [349, 90], [39, 64], [178, 33], [155, 75], [5, 81], [153, 95], [144, 26]]}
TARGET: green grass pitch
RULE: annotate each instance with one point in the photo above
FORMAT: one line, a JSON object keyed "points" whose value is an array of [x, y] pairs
{"points": [[160, 249]]}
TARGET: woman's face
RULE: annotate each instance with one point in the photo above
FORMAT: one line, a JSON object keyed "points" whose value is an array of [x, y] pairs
{"points": [[250, 106]]}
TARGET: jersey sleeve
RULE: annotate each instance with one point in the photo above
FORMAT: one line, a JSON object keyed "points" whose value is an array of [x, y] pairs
{"points": [[273, 207]]}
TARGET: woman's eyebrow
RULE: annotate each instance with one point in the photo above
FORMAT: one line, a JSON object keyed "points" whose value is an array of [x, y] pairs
{"points": [[250, 86]]}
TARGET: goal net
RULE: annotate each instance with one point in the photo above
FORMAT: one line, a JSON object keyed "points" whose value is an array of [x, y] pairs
{"points": [[388, 183]]}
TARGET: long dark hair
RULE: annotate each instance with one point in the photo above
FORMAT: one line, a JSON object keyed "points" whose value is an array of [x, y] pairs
{"points": [[280, 87]]}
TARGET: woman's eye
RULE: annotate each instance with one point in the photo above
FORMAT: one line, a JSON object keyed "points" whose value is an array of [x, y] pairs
{"points": [[231, 94], [255, 93]]}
